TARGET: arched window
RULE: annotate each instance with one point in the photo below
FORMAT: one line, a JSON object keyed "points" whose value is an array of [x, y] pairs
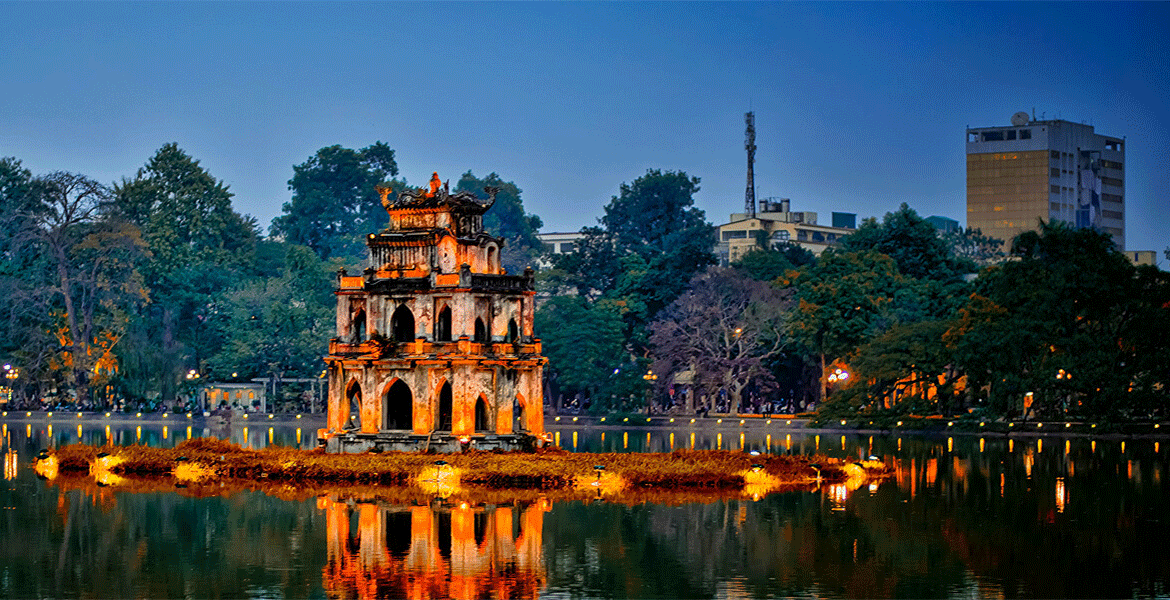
{"points": [[398, 407], [480, 332], [518, 410], [513, 331], [443, 325], [445, 410], [481, 415], [492, 263], [402, 324], [358, 327], [354, 395]]}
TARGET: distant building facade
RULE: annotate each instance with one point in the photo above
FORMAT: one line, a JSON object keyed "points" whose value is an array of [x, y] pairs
{"points": [[943, 224], [778, 224], [1053, 170]]}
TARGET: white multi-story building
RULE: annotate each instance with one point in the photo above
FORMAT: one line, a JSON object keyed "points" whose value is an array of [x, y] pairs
{"points": [[1051, 170]]}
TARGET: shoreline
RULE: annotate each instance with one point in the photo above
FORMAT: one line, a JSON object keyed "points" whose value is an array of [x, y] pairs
{"points": [[925, 426]]}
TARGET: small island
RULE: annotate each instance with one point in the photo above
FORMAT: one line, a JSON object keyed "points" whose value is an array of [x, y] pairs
{"points": [[209, 461]]}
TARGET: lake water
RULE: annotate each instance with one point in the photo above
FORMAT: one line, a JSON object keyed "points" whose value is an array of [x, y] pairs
{"points": [[962, 517]]}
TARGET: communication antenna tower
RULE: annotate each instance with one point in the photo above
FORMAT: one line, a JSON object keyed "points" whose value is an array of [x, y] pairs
{"points": [[749, 197]]}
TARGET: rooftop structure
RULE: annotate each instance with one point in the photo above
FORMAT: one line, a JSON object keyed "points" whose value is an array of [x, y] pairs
{"points": [[779, 224]]}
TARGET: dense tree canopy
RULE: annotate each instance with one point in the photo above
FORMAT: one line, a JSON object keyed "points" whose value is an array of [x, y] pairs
{"points": [[335, 203], [910, 240]]}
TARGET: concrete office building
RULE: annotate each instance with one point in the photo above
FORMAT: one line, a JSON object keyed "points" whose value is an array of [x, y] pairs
{"points": [[1048, 169], [780, 225]]}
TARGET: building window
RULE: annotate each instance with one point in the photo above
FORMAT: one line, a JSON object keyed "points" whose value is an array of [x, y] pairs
{"points": [[1055, 189], [1111, 214], [1010, 134], [1054, 173], [801, 235], [1055, 155], [568, 247], [1111, 181], [734, 235], [1025, 134], [993, 136], [1111, 198]]}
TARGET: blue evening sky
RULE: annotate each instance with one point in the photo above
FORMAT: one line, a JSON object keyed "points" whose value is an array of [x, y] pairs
{"points": [[859, 106]]}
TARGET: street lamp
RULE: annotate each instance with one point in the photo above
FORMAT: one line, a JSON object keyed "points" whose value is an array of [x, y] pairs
{"points": [[650, 378], [838, 374]]}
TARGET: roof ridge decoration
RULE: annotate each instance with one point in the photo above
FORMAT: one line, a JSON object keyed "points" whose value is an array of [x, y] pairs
{"points": [[438, 195]]}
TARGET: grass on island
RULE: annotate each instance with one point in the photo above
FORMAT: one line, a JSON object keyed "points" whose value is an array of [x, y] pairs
{"points": [[206, 461]]}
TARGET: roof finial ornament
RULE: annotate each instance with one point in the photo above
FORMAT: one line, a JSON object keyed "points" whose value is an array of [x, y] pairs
{"points": [[435, 184]]}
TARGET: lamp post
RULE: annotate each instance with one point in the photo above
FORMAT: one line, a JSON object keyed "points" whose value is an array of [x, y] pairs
{"points": [[650, 378]]}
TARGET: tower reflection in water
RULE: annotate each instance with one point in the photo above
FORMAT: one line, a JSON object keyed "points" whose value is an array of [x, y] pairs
{"points": [[378, 550]]}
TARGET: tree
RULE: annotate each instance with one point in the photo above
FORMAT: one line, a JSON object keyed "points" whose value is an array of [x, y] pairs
{"points": [[767, 263], [725, 328], [21, 267], [910, 240], [584, 345], [1072, 321], [199, 248], [277, 326], [654, 220], [95, 262], [970, 245], [507, 219], [844, 300], [335, 203]]}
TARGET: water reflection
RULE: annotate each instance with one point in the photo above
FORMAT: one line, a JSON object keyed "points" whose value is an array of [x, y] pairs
{"points": [[380, 550], [960, 517]]}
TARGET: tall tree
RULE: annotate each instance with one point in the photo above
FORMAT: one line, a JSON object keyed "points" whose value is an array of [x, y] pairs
{"points": [[845, 299], [199, 246], [334, 203], [95, 262], [507, 219], [725, 329]]}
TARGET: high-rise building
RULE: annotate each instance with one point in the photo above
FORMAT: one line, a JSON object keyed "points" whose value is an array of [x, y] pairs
{"points": [[1051, 170]]}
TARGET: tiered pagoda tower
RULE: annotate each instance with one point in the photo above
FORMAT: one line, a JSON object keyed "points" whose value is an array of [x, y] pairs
{"points": [[434, 346]]}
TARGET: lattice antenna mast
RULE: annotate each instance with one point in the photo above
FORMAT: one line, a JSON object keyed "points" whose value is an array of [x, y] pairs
{"points": [[749, 197]]}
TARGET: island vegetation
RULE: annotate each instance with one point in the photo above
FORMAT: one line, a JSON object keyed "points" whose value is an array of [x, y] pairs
{"points": [[213, 462]]}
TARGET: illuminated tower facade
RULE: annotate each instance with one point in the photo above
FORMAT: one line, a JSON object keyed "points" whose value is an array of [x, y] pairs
{"points": [[434, 347]]}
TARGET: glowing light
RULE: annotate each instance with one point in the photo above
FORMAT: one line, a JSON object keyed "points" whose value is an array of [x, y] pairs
{"points": [[78, 415]]}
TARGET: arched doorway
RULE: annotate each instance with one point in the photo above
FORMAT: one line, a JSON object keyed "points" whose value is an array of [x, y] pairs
{"points": [[513, 331], [480, 332], [445, 408], [402, 324], [398, 407], [518, 410], [353, 398], [443, 325], [481, 416]]}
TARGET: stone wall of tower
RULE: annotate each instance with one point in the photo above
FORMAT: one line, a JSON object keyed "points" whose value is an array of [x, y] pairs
{"points": [[435, 311]]}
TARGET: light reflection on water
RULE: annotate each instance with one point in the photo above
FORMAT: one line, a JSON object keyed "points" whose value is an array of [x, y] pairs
{"points": [[953, 521]]}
